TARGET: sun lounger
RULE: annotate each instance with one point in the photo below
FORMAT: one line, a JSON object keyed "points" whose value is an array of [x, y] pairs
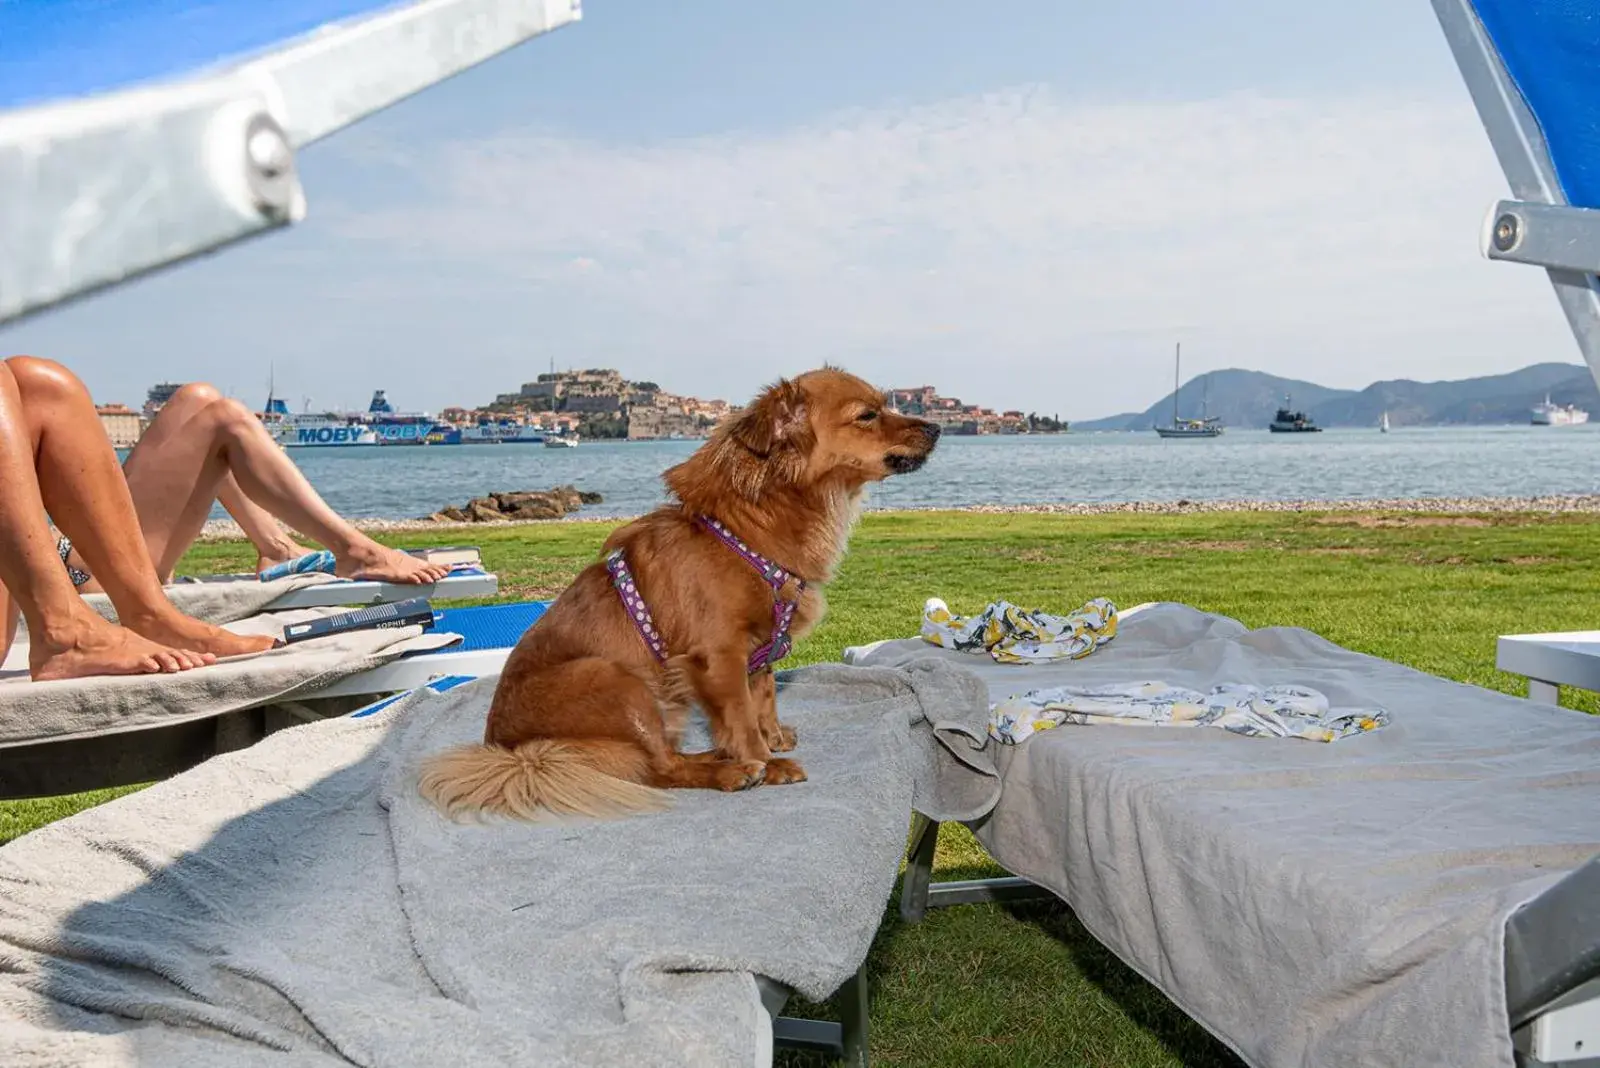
{"points": [[223, 599], [66, 736], [1409, 896], [299, 901]]}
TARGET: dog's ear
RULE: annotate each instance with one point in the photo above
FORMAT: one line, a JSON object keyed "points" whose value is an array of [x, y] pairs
{"points": [[764, 445], [772, 421]]}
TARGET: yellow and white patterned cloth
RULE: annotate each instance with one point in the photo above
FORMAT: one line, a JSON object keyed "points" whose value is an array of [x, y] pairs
{"points": [[1272, 712], [1015, 635]]}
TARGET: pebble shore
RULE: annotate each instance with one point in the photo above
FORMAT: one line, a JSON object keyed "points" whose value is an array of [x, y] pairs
{"points": [[227, 530]]}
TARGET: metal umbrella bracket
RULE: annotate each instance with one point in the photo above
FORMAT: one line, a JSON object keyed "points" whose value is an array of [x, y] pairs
{"points": [[196, 150]]}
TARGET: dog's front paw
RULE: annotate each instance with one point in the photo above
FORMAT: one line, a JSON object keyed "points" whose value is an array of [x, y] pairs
{"points": [[782, 740], [741, 774], [782, 770]]}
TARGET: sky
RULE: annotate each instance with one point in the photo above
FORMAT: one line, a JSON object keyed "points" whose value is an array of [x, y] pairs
{"points": [[1025, 203]]}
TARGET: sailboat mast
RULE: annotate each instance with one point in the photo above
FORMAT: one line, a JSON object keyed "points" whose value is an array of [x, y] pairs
{"points": [[1177, 358]]}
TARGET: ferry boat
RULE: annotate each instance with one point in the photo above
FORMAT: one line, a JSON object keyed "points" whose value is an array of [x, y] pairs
{"points": [[504, 433], [1548, 414], [380, 424], [313, 430], [1288, 421], [401, 428]]}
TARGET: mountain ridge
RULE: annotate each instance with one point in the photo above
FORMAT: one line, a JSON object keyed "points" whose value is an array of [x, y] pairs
{"points": [[1246, 399]]}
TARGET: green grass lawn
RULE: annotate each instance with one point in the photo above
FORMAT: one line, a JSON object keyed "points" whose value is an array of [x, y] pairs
{"points": [[1024, 985]]}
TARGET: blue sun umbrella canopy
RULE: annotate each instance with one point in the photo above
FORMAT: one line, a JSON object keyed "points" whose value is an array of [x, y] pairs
{"points": [[138, 133]]}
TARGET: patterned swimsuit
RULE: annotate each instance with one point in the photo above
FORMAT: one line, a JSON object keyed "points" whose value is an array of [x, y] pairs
{"points": [[64, 550]]}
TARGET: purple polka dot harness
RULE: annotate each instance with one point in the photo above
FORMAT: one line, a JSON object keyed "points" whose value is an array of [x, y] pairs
{"points": [[783, 610]]}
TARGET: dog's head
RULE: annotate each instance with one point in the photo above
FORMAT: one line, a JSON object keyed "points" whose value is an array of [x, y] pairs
{"points": [[825, 426]]}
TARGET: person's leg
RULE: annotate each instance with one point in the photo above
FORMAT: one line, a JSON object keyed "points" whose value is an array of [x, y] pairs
{"points": [[84, 492], [66, 639], [272, 542], [182, 464], [174, 477]]}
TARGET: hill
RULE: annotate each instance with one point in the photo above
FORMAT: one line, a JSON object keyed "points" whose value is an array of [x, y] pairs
{"points": [[1238, 397], [1248, 399]]}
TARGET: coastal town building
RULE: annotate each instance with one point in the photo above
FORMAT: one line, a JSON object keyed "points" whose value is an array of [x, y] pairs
{"points": [[954, 417], [158, 395], [601, 402], [122, 424]]}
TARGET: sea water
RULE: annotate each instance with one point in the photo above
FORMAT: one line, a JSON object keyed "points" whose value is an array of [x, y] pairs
{"points": [[397, 482]]}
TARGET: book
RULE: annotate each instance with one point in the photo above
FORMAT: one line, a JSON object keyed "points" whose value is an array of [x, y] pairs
{"points": [[449, 555], [394, 614]]}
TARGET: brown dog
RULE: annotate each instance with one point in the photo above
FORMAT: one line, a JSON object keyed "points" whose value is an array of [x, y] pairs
{"points": [[691, 603]]}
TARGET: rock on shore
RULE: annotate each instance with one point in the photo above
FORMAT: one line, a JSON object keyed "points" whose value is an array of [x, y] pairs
{"points": [[517, 505]]}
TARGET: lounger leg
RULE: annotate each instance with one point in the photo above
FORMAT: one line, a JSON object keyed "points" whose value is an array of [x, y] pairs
{"points": [[1544, 692], [846, 1040], [853, 1012], [919, 868], [918, 892]]}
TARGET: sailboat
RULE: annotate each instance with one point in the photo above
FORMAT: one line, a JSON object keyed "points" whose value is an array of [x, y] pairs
{"points": [[1187, 428], [1383, 424]]}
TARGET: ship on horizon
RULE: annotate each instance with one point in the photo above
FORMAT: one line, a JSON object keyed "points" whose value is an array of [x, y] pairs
{"points": [[1548, 414]]}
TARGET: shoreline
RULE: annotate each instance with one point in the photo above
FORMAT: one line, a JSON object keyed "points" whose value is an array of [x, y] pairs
{"points": [[1565, 504]]}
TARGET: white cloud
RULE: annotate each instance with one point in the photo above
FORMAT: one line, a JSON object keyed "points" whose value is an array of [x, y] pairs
{"points": [[1017, 248]]}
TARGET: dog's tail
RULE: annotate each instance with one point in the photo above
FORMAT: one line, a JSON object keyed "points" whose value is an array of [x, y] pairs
{"points": [[597, 777]]}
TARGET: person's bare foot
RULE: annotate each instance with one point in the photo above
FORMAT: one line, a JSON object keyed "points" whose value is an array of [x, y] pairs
{"points": [[369, 560], [175, 628], [263, 562], [89, 645], [274, 555]]}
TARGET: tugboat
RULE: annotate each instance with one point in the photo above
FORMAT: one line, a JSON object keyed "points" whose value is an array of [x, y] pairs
{"points": [[1288, 421], [1188, 428]]}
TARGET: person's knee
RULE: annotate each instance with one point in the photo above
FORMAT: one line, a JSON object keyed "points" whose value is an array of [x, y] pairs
{"points": [[41, 381], [199, 394], [231, 417]]}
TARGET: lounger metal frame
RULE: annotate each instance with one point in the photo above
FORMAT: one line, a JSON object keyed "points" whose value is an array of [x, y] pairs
{"points": [[186, 166], [1552, 967]]}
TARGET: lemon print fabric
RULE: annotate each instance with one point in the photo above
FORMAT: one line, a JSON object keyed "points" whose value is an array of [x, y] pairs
{"points": [[1015, 635], [1270, 712]]}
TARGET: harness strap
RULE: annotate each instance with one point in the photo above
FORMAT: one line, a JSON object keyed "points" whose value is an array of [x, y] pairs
{"points": [[783, 609], [633, 601], [777, 647]]}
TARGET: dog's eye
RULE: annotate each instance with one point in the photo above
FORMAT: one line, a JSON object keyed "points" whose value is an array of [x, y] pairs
{"points": [[867, 416]]}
